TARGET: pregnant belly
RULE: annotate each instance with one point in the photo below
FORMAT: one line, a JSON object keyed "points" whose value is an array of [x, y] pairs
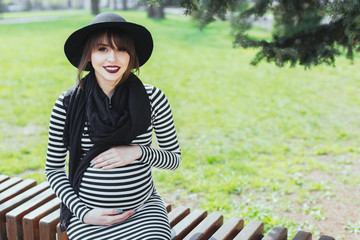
{"points": [[126, 187]]}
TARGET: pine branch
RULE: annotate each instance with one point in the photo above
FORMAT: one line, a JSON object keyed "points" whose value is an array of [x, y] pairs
{"points": [[303, 41], [309, 47]]}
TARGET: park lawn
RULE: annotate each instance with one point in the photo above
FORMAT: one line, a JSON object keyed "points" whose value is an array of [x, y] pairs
{"points": [[251, 137]]}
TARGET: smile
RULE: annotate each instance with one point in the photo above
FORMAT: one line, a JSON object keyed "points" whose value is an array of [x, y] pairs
{"points": [[111, 69]]}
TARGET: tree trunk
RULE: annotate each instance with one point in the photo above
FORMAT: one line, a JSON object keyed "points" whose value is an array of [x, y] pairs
{"points": [[28, 5], [1, 9], [124, 2], [95, 7], [156, 12]]}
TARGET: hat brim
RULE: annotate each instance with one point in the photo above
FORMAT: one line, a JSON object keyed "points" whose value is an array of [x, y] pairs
{"points": [[143, 41]]}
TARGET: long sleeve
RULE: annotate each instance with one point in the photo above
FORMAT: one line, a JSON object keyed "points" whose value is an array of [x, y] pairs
{"points": [[55, 162], [168, 156]]}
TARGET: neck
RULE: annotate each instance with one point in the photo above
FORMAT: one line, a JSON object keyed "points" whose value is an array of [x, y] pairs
{"points": [[107, 88]]}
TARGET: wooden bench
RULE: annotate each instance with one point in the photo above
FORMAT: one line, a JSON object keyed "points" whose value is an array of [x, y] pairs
{"points": [[31, 211]]}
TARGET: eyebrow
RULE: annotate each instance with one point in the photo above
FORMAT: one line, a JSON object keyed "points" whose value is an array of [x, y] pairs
{"points": [[103, 44]]}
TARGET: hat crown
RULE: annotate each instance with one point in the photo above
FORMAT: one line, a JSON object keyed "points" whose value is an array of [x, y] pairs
{"points": [[107, 17]]}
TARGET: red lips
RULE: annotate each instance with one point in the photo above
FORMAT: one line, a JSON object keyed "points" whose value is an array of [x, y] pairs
{"points": [[112, 69]]}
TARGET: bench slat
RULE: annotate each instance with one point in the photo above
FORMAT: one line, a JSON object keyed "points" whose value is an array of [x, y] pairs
{"points": [[168, 207], [206, 228], [254, 230], [29, 211], [301, 235], [324, 237], [276, 233], [229, 229], [17, 201], [185, 226], [177, 215], [14, 217], [47, 225], [3, 178], [9, 183], [31, 220], [16, 189]]}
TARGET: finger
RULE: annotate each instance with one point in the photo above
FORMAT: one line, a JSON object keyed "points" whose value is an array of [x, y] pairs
{"points": [[125, 215], [108, 164], [103, 156], [103, 161], [113, 211], [111, 166], [119, 162], [100, 155], [119, 218]]}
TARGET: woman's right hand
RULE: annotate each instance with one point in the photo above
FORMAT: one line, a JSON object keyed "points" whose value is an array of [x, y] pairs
{"points": [[105, 216]]}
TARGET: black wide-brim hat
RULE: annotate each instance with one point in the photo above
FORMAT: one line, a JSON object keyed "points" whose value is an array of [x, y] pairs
{"points": [[75, 43]]}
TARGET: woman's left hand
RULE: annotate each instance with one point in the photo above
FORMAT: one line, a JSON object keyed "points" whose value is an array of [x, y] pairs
{"points": [[116, 157]]}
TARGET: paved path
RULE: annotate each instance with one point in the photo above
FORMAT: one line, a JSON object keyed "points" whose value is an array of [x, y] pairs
{"points": [[264, 22], [29, 19], [170, 10]]}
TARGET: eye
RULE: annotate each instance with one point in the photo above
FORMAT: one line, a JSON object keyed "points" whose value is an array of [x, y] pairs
{"points": [[121, 50], [102, 49]]}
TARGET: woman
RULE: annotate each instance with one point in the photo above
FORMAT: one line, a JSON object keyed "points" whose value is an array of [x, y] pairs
{"points": [[105, 122]]}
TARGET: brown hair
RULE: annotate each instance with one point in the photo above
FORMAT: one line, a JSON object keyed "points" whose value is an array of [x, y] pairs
{"points": [[116, 39]]}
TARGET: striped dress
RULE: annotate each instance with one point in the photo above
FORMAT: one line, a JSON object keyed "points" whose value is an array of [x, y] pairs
{"points": [[127, 187]]}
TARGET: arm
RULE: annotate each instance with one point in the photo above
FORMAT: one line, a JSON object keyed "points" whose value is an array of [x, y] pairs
{"points": [[56, 175], [168, 156], [55, 162]]}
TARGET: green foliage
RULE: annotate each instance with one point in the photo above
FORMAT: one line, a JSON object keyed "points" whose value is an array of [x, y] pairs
{"points": [[253, 139], [296, 17], [348, 12], [299, 37]]}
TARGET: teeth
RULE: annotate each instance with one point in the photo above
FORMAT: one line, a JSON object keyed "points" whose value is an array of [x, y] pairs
{"points": [[112, 68]]}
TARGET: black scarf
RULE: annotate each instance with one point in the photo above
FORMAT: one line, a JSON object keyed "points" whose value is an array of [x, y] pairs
{"points": [[115, 124]]}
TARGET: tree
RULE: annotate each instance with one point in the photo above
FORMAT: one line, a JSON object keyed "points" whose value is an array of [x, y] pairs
{"points": [[299, 36], [95, 7], [155, 8], [156, 12], [124, 2], [2, 9]]}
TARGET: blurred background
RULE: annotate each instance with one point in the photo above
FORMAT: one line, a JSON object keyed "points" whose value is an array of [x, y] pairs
{"points": [[268, 126], [93, 5]]}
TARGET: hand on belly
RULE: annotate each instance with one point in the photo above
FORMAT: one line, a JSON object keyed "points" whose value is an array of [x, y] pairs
{"points": [[103, 216], [116, 157]]}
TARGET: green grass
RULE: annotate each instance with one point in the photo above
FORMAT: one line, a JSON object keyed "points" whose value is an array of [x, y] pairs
{"points": [[250, 136]]}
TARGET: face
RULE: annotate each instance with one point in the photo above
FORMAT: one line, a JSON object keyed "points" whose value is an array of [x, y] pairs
{"points": [[109, 64]]}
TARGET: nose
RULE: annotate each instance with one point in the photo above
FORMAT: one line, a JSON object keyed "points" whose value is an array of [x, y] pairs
{"points": [[111, 56]]}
